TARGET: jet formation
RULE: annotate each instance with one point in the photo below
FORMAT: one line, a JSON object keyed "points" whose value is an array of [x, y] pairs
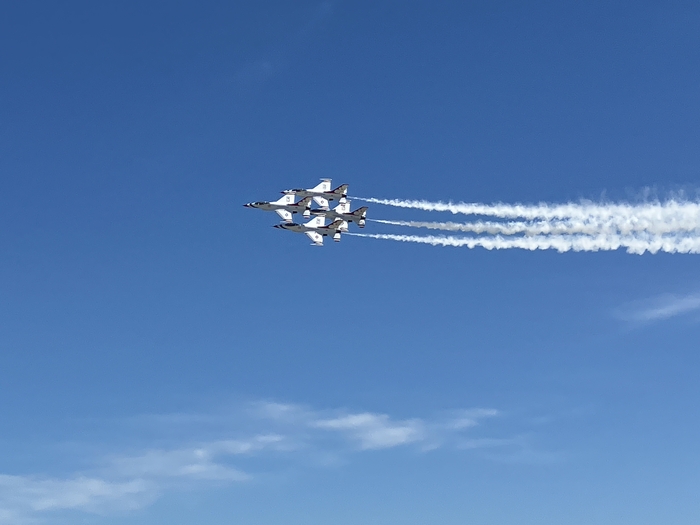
{"points": [[315, 229]]}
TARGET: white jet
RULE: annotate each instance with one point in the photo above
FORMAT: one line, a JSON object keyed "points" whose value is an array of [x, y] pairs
{"points": [[342, 212], [316, 229], [322, 193], [285, 207]]}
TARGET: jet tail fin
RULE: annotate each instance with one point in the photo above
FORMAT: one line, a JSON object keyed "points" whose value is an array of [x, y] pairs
{"points": [[305, 202], [317, 222], [316, 238], [322, 202], [341, 191], [287, 198], [339, 225], [343, 207], [285, 215], [360, 212], [359, 216], [325, 185]]}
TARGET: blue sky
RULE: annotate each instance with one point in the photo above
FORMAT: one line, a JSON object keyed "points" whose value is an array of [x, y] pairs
{"points": [[167, 356]]}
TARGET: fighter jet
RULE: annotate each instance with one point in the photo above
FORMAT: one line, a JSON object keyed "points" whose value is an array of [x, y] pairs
{"points": [[342, 211], [285, 207], [316, 229], [322, 193]]}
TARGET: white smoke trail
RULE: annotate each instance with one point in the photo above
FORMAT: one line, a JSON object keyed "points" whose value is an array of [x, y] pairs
{"points": [[637, 244], [672, 226], [680, 215], [552, 227]]}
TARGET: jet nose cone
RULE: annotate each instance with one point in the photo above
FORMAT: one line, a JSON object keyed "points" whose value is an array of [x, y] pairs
{"points": [[249, 205]]}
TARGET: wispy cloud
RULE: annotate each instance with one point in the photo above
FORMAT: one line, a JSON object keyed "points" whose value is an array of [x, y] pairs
{"points": [[461, 419], [375, 431], [660, 308], [24, 498], [372, 431], [267, 430]]}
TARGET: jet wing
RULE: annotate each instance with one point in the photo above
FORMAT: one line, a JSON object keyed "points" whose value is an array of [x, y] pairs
{"points": [[286, 215], [316, 238]]}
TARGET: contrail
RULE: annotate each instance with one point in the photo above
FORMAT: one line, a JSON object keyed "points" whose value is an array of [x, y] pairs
{"points": [[683, 215], [637, 244], [554, 227]]}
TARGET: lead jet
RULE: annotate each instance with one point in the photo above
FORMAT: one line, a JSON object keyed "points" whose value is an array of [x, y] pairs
{"points": [[342, 212], [322, 193], [316, 229], [285, 207]]}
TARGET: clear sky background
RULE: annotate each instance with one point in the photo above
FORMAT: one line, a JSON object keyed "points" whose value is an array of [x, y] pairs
{"points": [[168, 357]]}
